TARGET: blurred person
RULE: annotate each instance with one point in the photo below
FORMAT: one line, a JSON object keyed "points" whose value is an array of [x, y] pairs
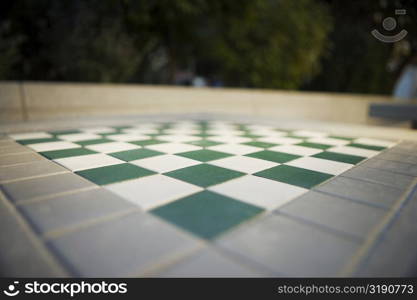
{"points": [[406, 86]]}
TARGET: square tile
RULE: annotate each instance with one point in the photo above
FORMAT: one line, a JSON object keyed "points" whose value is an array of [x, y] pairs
{"points": [[77, 163], [172, 148], [165, 163], [260, 144], [320, 165], [364, 146], [98, 130], [353, 151], [44, 186], [112, 147], [374, 142], [258, 191], [230, 139], [309, 133], [206, 214], [122, 247], [297, 150], [363, 191], [66, 153], [178, 138], [274, 156], [42, 147], [339, 214], [204, 143], [127, 137], [345, 158], [237, 149], [65, 211], [33, 169], [76, 137], [147, 142], [38, 141], [290, 248], [295, 176], [92, 142], [244, 164], [204, 155], [135, 154], [280, 140], [204, 175], [30, 135], [314, 145], [147, 193], [328, 141], [114, 173]]}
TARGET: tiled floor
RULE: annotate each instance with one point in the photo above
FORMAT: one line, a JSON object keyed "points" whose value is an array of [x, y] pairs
{"points": [[206, 182]]}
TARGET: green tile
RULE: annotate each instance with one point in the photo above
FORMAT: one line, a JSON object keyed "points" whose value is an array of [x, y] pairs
{"points": [[93, 142], [251, 136], [59, 132], [259, 144], [204, 155], [346, 138], [202, 135], [368, 147], [301, 138], [114, 173], [204, 175], [135, 154], [350, 159], [67, 153], [204, 143], [315, 145], [274, 156], [122, 127], [295, 176], [207, 214], [36, 141], [147, 142]]}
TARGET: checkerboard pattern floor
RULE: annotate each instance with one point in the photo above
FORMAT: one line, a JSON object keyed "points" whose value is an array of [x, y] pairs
{"points": [[203, 176]]}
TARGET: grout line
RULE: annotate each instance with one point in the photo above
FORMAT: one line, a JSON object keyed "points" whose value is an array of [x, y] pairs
{"points": [[377, 232], [32, 177], [59, 232], [44, 251], [54, 195]]}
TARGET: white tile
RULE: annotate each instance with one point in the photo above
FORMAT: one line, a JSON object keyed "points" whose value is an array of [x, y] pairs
{"points": [[172, 148], [280, 140], [297, 150], [50, 146], [309, 133], [77, 137], [328, 141], [320, 165], [152, 191], [127, 137], [178, 138], [101, 129], [235, 149], [182, 131], [268, 132], [30, 135], [353, 151], [90, 161], [225, 132], [112, 147], [230, 139], [244, 164], [165, 163], [140, 131], [374, 142], [258, 191]]}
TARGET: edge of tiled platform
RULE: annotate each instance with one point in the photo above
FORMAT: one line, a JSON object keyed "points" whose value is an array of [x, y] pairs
{"points": [[343, 253]]}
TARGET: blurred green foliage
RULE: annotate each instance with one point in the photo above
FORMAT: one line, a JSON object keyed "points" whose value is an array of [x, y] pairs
{"points": [[285, 44]]}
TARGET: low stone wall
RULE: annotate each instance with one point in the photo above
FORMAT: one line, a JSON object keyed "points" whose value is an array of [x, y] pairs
{"points": [[44, 100]]}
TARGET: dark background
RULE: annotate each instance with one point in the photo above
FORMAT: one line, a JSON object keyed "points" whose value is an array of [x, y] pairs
{"points": [[321, 45]]}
